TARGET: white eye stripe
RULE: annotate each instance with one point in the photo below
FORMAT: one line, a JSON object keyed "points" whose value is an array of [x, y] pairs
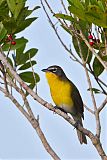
{"points": [[52, 69]]}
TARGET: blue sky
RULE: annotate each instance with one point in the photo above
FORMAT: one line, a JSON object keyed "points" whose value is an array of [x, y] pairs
{"points": [[18, 140]]}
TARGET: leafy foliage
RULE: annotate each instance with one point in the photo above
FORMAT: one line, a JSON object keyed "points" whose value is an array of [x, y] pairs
{"points": [[97, 67], [93, 11], [83, 14], [95, 90], [14, 19]]}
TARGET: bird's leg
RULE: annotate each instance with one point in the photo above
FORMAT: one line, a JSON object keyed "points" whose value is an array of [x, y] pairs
{"points": [[77, 123]]}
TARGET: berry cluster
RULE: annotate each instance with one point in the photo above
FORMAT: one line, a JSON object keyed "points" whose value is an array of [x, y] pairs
{"points": [[93, 39], [10, 39]]}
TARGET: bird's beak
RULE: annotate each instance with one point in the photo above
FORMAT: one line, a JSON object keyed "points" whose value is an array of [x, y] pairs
{"points": [[44, 70]]}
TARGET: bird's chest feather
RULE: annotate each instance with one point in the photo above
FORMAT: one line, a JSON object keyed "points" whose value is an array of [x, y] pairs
{"points": [[60, 92]]}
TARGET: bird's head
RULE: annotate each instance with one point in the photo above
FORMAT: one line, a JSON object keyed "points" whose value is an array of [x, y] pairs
{"points": [[55, 70]]}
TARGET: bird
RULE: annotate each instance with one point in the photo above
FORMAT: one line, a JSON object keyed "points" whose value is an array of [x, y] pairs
{"points": [[66, 96]]}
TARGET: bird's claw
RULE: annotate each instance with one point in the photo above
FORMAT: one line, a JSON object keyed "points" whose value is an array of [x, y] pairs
{"points": [[76, 124]]}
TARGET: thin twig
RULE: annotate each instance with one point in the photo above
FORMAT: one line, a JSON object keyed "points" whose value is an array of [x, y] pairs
{"points": [[88, 109], [102, 105], [57, 34], [21, 92], [4, 74], [98, 126], [61, 41], [33, 73], [64, 7], [52, 12], [95, 140], [35, 125], [9, 49]]}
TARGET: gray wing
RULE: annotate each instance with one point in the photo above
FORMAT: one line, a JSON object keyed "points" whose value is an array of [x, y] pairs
{"points": [[78, 103]]}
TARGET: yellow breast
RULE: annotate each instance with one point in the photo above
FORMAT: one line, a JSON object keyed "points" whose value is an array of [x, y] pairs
{"points": [[60, 90]]}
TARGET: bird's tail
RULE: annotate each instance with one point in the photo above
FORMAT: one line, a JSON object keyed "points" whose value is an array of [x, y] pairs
{"points": [[81, 136]]}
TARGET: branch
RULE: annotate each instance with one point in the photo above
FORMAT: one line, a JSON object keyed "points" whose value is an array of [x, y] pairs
{"points": [[102, 105], [98, 126], [92, 50], [60, 39], [64, 7], [56, 32], [34, 122], [88, 109], [33, 72], [4, 75], [95, 140]]}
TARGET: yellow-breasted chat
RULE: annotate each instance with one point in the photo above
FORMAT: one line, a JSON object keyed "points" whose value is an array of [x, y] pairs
{"points": [[66, 96]]}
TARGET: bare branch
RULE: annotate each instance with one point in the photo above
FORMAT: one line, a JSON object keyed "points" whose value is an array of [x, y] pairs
{"points": [[4, 75], [96, 142], [88, 109], [98, 126], [57, 34], [33, 73], [34, 123], [64, 7], [102, 105], [61, 41]]}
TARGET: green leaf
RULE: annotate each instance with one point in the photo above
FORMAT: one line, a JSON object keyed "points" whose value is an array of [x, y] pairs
{"points": [[97, 67], [3, 31], [23, 57], [16, 6], [30, 53], [65, 17], [25, 13], [24, 24], [66, 29], [95, 15], [78, 12], [27, 65], [29, 12], [19, 52], [93, 2], [28, 77], [101, 6], [95, 90], [77, 3], [87, 55], [3, 10], [104, 58], [19, 43], [10, 24], [86, 3]]}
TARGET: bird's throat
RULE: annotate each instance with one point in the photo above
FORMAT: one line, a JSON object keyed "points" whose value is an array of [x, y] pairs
{"points": [[60, 90]]}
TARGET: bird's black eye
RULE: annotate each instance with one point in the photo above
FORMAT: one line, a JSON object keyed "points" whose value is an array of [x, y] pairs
{"points": [[54, 70]]}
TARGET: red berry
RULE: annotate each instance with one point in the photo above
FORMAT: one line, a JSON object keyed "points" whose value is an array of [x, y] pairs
{"points": [[10, 38], [90, 37], [13, 42], [91, 43]]}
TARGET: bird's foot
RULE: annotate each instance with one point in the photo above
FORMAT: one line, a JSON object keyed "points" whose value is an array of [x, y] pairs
{"points": [[77, 123]]}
